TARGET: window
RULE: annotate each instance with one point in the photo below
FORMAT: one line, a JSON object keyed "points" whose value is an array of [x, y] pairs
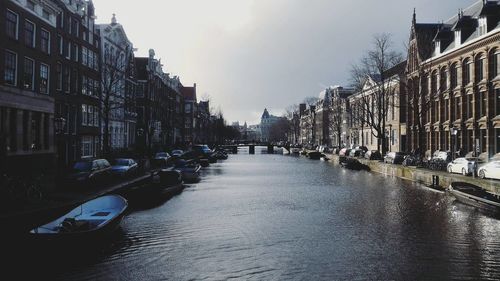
{"points": [[434, 83], [96, 117], [495, 60], [469, 106], [84, 56], [30, 5], [443, 79], [59, 76], [458, 38], [46, 14], [84, 85], [74, 81], [11, 21], [479, 68], [84, 114], [446, 109], [458, 106], [10, 70], [45, 41], [75, 28], [454, 76], [497, 102], [66, 79], [60, 44], [466, 72], [68, 50], [74, 52], [483, 103], [87, 145], [44, 78], [483, 27], [29, 34], [90, 112], [29, 74]]}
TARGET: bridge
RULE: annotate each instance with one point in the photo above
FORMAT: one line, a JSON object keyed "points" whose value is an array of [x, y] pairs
{"points": [[251, 147]]}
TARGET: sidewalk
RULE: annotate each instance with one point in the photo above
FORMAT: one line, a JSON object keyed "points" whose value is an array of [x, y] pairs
{"points": [[422, 175], [28, 215]]}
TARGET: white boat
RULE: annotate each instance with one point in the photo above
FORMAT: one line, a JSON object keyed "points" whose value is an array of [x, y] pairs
{"points": [[95, 217]]}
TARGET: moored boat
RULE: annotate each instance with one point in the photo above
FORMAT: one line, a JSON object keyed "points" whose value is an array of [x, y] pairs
{"points": [[315, 155], [475, 196], [94, 218], [190, 171]]}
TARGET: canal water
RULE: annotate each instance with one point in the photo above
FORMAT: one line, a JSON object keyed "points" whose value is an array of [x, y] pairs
{"points": [[279, 217]]}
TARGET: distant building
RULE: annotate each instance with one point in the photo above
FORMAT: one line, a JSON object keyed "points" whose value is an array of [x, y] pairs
{"points": [[119, 85], [266, 122]]}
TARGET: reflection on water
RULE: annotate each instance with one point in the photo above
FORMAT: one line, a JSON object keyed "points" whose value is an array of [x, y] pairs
{"points": [[269, 216]]}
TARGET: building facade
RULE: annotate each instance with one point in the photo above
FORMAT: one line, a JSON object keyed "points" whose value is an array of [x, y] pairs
{"points": [[118, 86], [160, 116], [454, 83], [27, 85], [77, 81], [266, 122]]}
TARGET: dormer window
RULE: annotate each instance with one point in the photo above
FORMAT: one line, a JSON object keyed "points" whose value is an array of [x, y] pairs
{"points": [[483, 26], [437, 44], [458, 38]]}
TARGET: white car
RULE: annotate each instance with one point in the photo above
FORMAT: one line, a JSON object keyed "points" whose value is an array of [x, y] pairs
{"points": [[490, 170], [462, 166]]}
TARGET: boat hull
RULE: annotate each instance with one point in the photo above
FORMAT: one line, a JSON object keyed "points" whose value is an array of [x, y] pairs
{"points": [[474, 200]]}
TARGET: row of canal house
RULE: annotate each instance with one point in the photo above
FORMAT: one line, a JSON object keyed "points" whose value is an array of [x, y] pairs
{"points": [[444, 96], [71, 89]]}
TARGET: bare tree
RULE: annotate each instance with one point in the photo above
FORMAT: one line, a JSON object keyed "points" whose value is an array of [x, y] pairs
{"points": [[371, 79], [293, 117], [310, 101], [114, 98]]}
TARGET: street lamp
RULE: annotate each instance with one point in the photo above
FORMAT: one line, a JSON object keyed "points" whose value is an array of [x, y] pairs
{"points": [[454, 132], [391, 136]]}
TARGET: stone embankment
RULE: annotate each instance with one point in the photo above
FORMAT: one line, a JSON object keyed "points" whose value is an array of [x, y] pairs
{"points": [[421, 175]]}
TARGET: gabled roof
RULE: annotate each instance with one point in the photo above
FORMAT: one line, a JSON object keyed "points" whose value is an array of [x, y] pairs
{"points": [[425, 33], [189, 93], [398, 69]]}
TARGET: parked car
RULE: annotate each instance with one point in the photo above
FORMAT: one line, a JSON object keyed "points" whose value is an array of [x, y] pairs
{"points": [[344, 152], [394, 157], [124, 167], [202, 150], [490, 170], [161, 159], [373, 155], [176, 153], [355, 152], [358, 151], [462, 166], [91, 170]]}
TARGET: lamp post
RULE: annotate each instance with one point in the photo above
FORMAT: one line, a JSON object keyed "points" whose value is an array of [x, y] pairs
{"points": [[391, 136], [454, 132], [59, 125]]}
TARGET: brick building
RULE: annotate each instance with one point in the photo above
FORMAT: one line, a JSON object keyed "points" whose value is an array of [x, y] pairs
{"points": [[453, 82], [27, 84]]}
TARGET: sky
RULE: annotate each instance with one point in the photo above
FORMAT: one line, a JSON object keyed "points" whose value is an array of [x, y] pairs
{"points": [[247, 55]]}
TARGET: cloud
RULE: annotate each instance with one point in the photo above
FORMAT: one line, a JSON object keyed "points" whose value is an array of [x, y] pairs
{"points": [[252, 54]]}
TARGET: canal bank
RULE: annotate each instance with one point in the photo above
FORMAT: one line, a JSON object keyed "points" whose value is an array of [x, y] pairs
{"points": [[421, 175], [26, 217]]}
